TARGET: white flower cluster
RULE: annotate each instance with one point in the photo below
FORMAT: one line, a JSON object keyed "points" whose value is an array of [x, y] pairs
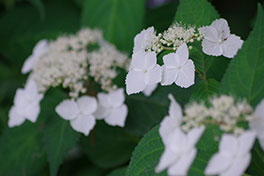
{"points": [[234, 155], [84, 112], [224, 111], [69, 61], [177, 68], [76, 62]]}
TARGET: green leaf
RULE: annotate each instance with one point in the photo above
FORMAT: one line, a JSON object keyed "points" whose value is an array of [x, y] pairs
{"points": [[120, 20], [58, 138], [40, 6], [257, 160], [196, 12], [146, 155], [205, 89], [21, 151], [118, 172], [146, 112], [245, 73], [24, 34], [108, 146]]}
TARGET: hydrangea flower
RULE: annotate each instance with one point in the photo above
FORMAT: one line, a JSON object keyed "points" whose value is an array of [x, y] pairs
{"points": [[218, 40], [257, 123], [39, 50], [144, 71], [26, 105], [172, 121], [142, 41], [178, 68], [111, 108], [80, 113], [234, 155], [179, 151]]}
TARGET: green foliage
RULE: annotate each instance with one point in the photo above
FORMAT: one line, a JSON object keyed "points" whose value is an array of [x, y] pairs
{"points": [[58, 138], [118, 172], [244, 76], [257, 160], [205, 89], [146, 112], [18, 36], [108, 146], [121, 20], [21, 151], [195, 12], [146, 155]]}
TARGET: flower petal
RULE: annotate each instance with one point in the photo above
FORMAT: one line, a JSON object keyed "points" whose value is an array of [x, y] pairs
{"points": [[238, 167], [67, 109], [149, 89], [117, 97], [186, 75], [231, 46], [211, 48], [194, 135], [182, 55], [15, 119], [154, 75], [167, 126], [167, 158], [138, 61], [175, 110], [87, 105], [83, 124], [104, 100], [142, 40], [135, 82], [170, 60], [40, 48], [102, 112], [169, 76], [182, 166], [218, 163], [210, 34], [32, 111], [117, 117], [150, 60], [246, 141], [28, 64], [222, 28], [228, 144]]}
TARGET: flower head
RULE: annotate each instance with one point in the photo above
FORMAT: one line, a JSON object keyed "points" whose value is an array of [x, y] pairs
{"points": [[218, 40], [111, 108], [233, 157], [39, 50], [144, 71], [178, 68], [80, 113], [26, 105]]}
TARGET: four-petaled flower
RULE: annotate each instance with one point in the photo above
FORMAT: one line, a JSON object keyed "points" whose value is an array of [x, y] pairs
{"points": [[26, 105], [39, 50], [143, 40], [111, 108], [257, 123], [178, 68], [218, 40], [80, 113], [180, 149], [144, 71], [233, 157]]}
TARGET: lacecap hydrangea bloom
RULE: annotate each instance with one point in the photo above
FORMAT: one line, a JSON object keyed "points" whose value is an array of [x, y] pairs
{"points": [[77, 63], [177, 68], [182, 129]]}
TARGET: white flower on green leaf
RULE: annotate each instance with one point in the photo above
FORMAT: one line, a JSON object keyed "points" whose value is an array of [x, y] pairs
{"points": [[80, 113], [233, 156], [142, 41], [218, 40], [144, 71], [39, 50], [178, 68], [26, 105], [111, 108]]}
